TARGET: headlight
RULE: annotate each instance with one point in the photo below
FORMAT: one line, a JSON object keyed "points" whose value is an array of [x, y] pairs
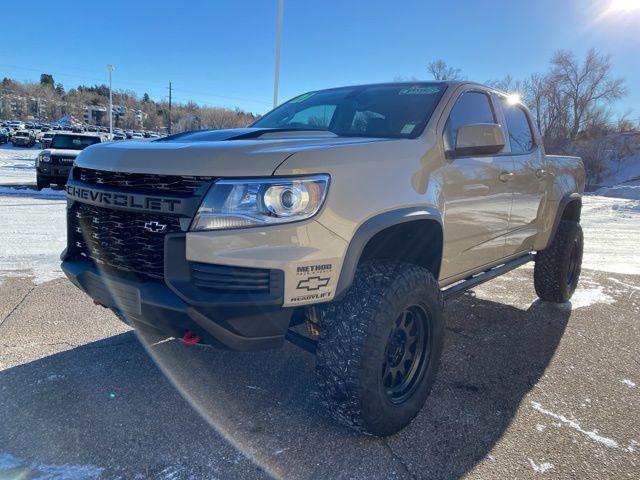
{"points": [[246, 203], [44, 157]]}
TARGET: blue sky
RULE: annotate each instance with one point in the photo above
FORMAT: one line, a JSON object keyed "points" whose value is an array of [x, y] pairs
{"points": [[222, 52]]}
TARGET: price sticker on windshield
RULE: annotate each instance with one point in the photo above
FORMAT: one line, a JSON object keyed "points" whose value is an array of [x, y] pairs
{"points": [[417, 90], [302, 97]]}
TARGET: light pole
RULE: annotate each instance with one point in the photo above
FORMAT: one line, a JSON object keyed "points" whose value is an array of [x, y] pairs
{"points": [[277, 69], [110, 68]]}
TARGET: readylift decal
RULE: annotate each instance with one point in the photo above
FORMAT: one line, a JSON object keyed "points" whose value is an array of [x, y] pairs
{"points": [[311, 296], [314, 278]]}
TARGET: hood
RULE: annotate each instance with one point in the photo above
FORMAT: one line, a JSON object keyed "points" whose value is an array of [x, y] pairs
{"points": [[63, 152], [244, 152]]}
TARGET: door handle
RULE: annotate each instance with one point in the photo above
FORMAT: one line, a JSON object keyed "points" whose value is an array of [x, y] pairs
{"points": [[506, 176], [541, 173]]}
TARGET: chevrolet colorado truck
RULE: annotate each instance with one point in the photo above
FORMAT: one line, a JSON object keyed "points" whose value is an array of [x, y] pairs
{"points": [[55, 161], [340, 221]]}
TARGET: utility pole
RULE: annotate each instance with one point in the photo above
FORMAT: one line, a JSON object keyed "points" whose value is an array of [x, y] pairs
{"points": [[169, 129], [277, 69], [110, 68]]}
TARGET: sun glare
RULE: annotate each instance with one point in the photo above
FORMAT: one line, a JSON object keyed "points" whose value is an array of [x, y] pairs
{"points": [[624, 5], [513, 98]]}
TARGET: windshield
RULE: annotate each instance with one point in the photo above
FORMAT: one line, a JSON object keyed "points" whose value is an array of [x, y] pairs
{"points": [[73, 142], [393, 110], [21, 134]]}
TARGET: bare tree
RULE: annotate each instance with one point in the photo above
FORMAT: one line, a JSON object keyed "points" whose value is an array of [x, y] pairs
{"points": [[624, 122], [441, 71], [507, 84], [587, 86]]}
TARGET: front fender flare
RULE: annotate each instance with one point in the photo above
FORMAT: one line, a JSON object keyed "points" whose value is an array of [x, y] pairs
{"points": [[368, 229]]}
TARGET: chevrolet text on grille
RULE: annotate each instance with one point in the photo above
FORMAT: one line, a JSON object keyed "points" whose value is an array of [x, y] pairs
{"points": [[123, 199]]}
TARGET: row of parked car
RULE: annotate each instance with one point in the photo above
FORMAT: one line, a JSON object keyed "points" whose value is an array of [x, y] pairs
{"points": [[60, 145], [28, 134]]}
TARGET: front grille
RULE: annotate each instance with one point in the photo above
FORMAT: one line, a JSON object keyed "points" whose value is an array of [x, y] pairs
{"points": [[178, 184], [121, 241], [60, 160], [227, 279]]}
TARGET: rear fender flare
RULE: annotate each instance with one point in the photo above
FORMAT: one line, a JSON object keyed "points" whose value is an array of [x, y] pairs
{"points": [[545, 239]]}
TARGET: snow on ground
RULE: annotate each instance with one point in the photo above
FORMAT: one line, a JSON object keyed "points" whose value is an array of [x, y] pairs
{"points": [[627, 169], [630, 190], [628, 383], [32, 223], [611, 232], [17, 164], [586, 296], [623, 163], [32, 233], [592, 434], [541, 467]]}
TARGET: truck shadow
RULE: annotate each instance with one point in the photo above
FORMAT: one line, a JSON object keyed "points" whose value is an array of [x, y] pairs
{"points": [[266, 403]]}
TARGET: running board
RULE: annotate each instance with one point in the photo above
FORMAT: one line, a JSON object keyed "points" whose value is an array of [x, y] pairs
{"points": [[487, 275]]}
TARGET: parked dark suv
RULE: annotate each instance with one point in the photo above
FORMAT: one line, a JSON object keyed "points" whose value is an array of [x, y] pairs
{"points": [[54, 163]]}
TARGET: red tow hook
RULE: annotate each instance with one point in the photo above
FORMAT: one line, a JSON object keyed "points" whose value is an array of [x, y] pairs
{"points": [[190, 338]]}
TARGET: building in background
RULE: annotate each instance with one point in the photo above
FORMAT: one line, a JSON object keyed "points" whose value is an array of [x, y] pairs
{"points": [[94, 114]]}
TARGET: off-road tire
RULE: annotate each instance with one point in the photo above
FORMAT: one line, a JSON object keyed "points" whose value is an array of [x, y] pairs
{"points": [[352, 348], [557, 268], [40, 185]]}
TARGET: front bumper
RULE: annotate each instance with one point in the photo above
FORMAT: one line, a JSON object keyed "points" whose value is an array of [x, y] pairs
{"points": [[237, 288], [241, 326]]}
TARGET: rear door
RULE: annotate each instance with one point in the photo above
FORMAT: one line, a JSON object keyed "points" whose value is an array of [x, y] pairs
{"points": [[529, 180], [477, 193]]}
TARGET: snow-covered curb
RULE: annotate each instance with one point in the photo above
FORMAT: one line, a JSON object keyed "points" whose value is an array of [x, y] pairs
{"points": [[21, 191]]}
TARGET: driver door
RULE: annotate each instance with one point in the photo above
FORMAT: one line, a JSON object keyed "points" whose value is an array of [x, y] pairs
{"points": [[477, 194]]}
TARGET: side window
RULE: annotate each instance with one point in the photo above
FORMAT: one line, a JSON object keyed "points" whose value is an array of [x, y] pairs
{"points": [[520, 135], [471, 107]]}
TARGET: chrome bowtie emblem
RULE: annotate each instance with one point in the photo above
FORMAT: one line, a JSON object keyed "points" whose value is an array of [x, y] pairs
{"points": [[154, 227]]}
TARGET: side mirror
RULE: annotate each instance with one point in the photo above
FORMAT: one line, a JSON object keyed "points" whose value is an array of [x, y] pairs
{"points": [[479, 139]]}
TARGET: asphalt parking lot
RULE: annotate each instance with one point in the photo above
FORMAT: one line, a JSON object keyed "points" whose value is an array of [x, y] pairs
{"points": [[526, 390]]}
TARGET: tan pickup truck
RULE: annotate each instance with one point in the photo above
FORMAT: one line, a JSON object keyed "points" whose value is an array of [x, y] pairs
{"points": [[340, 221]]}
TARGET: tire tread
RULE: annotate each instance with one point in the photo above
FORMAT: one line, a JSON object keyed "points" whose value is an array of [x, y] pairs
{"points": [[347, 325]]}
